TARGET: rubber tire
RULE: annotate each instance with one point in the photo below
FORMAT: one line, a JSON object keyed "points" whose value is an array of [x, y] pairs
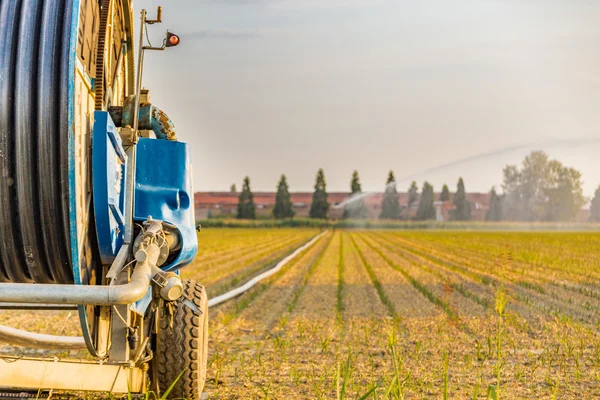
{"points": [[184, 348]]}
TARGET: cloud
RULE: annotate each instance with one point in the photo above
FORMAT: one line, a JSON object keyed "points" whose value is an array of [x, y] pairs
{"points": [[305, 4], [323, 4], [224, 34], [577, 142], [242, 2], [590, 77], [539, 145]]}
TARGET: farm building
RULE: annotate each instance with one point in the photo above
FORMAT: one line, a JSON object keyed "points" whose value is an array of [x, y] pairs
{"points": [[220, 204]]}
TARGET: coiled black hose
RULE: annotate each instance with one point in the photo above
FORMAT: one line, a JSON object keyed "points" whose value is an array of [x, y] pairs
{"points": [[34, 137]]}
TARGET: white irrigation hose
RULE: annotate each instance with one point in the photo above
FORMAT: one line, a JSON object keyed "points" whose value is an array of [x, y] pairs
{"points": [[252, 282], [37, 340]]}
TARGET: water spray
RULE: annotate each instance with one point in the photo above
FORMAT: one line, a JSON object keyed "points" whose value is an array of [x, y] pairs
{"points": [[476, 157]]}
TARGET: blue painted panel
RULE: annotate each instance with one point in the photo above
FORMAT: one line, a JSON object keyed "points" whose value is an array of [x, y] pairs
{"points": [[164, 191], [109, 164], [72, 11]]}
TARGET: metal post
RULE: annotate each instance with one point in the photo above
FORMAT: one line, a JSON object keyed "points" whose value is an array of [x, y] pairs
{"points": [[138, 88]]}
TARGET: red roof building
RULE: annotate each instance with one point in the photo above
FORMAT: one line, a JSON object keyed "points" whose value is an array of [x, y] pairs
{"points": [[214, 204]]}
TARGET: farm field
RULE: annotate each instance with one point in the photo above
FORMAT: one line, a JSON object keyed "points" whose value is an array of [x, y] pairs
{"points": [[393, 314], [417, 315], [225, 257]]}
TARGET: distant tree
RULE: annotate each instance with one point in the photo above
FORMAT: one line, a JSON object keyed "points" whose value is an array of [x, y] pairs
{"points": [[233, 188], [426, 208], [246, 208], [355, 208], [462, 206], [564, 193], [595, 208], [542, 190], [319, 205], [445, 194], [413, 194], [494, 213], [390, 208], [283, 203]]}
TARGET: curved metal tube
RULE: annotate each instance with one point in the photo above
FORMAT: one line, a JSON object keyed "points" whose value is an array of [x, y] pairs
{"points": [[128, 293], [149, 118], [19, 337], [162, 125]]}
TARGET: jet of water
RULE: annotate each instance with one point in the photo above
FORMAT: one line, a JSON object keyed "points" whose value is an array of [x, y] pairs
{"points": [[476, 157]]}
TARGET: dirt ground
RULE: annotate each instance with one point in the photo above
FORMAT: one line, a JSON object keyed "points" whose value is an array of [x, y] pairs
{"points": [[395, 315], [410, 316]]}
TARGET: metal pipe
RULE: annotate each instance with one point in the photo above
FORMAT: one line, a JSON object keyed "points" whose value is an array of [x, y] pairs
{"points": [[162, 125], [149, 118], [19, 337], [138, 88], [37, 307], [109, 295]]}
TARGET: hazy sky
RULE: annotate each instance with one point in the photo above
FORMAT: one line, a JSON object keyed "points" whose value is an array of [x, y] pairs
{"points": [[265, 87]]}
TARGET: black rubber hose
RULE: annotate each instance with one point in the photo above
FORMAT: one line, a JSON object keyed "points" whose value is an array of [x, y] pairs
{"points": [[13, 261], [50, 198], [3, 28], [36, 142], [26, 92]]}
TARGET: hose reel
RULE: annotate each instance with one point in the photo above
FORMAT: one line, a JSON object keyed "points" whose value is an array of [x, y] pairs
{"points": [[76, 178]]}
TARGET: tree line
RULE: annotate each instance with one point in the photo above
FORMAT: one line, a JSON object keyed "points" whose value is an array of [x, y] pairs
{"points": [[539, 190]]}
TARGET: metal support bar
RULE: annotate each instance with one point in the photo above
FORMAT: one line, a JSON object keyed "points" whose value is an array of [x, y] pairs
{"points": [[33, 293], [19, 337], [37, 307], [140, 68], [43, 374]]}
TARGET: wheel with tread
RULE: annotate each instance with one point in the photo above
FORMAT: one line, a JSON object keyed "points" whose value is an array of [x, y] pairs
{"points": [[183, 348]]}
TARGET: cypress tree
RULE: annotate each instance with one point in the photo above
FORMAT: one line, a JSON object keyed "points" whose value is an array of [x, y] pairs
{"points": [[595, 208], [426, 208], [494, 213], [246, 208], [355, 208], [413, 194], [445, 195], [462, 210], [390, 208], [283, 204], [319, 205]]}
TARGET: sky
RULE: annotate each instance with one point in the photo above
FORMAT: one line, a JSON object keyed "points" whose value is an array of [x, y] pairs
{"points": [[431, 89]]}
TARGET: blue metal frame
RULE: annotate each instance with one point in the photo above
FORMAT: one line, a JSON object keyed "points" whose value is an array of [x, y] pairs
{"points": [[163, 183], [109, 164], [163, 190], [74, 9], [72, 172]]}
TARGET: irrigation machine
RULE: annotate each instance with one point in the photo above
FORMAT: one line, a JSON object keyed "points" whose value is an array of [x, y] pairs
{"points": [[96, 206]]}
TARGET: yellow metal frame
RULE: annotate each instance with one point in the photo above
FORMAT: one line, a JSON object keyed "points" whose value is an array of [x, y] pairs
{"points": [[46, 374]]}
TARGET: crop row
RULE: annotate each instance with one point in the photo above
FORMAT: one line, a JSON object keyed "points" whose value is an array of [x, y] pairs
{"points": [[386, 314]]}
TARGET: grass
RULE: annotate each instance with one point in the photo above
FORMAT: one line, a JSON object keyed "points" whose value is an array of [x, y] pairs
{"points": [[479, 314], [395, 225], [394, 314]]}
